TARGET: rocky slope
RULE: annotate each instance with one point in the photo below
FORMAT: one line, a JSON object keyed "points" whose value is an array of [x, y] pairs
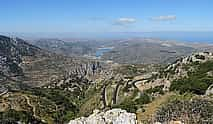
{"points": [[12, 51], [180, 69]]}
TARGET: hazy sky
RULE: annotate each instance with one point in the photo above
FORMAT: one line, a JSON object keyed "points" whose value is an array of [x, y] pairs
{"points": [[105, 15]]}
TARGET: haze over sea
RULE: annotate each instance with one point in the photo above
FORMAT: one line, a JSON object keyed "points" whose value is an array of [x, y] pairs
{"points": [[164, 35]]}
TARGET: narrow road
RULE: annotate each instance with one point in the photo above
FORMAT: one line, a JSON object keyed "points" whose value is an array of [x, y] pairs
{"points": [[104, 96], [3, 91], [34, 108], [116, 93]]}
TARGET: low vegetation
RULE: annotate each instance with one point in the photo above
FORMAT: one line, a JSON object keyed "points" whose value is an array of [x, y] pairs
{"points": [[13, 116], [195, 111], [157, 89]]}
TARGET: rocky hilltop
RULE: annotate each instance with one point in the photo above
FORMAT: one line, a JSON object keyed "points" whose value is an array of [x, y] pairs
{"points": [[114, 116]]}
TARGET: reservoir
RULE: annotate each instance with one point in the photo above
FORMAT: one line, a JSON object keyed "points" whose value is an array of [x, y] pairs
{"points": [[101, 51]]}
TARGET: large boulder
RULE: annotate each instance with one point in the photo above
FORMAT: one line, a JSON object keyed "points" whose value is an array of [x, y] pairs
{"points": [[114, 116]]}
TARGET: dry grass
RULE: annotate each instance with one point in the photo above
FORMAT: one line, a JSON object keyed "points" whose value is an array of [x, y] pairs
{"points": [[152, 107]]}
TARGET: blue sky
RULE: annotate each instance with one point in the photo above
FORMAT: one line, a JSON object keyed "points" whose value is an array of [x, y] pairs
{"points": [[105, 15]]}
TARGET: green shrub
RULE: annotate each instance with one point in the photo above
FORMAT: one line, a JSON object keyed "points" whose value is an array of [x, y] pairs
{"points": [[144, 99], [197, 81], [128, 105]]}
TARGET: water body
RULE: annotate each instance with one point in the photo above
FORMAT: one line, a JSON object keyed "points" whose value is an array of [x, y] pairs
{"points": [[187, 36], [101, 51], [177, 36]]}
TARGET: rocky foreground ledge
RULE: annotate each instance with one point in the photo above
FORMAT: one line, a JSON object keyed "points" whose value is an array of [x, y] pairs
{"points": [[114, 116]]}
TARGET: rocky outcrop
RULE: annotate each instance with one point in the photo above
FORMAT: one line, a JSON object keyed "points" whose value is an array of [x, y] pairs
{"points": [[177, 70], [114, 116], [178, 66]]}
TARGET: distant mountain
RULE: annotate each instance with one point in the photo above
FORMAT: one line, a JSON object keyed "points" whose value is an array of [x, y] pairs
{"points": [[66, 48], [136, 51], [128, 51], [15, 48]]}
